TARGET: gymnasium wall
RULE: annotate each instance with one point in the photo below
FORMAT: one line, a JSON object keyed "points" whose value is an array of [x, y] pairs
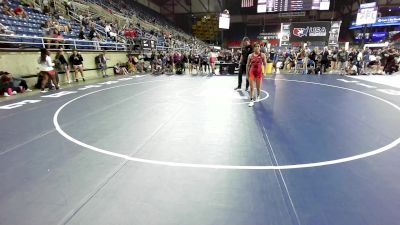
{"points": [[25, 63]]}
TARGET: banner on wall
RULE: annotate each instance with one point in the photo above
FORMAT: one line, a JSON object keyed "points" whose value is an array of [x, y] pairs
{"points": [[285, 34], [380, 22], [309, 31], [334, 33]]}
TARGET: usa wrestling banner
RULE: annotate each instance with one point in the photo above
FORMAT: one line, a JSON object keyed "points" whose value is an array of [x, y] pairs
{"points": [[310, 31]]}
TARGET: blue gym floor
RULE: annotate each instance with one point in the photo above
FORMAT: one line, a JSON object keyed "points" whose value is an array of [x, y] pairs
{"points": [[316, 150]]}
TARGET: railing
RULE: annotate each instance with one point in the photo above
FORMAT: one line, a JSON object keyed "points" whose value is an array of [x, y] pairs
{"points": [[41, 42], [18, 41], [144, 22], [98, 28], [79, 8]]}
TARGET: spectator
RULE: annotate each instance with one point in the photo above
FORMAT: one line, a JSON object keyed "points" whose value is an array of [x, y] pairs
{"points": [[342, 58], [58, 38], [10, 85], [95, 37], [47, 28], [131, 64], [272, 58], [300, 58], [373, 63], [46, 69], [390, 66], [130, 33], [46, 9], [101, 22], [68, 7], [6, 86], [27, 3], [4, 2], [20, 11], [62, 27], [92, 33], [120, 70], [141, 57], [107, 29], [101, 61], [113, 35], [37, 8], [81, 34], [290, 61], [76, 61], [324, 59], [85, 22], [62, 64], [96, 41], [351, 69], [7, 11], [366, 54]]}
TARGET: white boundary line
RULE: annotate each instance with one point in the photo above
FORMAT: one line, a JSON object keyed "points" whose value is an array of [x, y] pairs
{"points": [[283, 179], [230, 167], [390, 81], [178, 95]]}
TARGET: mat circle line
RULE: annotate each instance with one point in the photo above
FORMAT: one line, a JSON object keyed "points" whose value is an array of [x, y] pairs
{"points": [[228, 167]]}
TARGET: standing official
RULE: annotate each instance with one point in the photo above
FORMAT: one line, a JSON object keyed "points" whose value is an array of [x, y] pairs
{"points": [[247, 49]]}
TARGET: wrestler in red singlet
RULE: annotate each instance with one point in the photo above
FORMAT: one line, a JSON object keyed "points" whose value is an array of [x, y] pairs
{"points": [[256, 63]]}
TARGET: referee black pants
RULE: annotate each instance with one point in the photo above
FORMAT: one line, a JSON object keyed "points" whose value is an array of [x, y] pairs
{"points": [[242, 70]]}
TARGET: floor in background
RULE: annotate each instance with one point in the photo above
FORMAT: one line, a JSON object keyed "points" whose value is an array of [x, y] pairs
{"points": [[389, 80]]}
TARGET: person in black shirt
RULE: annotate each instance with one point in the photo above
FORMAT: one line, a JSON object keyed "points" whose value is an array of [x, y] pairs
{"points": [[390, 67], [185, 60], [92, 33], [247, 49], [272, 58], [352, 55], [81, 34], [195, 62], [62, 64], [190, 59], [76, 61], [204, 62], [324, 59]]}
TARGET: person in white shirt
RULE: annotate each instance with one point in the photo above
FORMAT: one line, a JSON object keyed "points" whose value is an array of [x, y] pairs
{"points": [[352, 69], [46, 69], [107, 29]]}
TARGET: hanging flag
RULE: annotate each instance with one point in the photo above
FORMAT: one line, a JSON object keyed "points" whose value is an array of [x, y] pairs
{"points": [[247, 3]]}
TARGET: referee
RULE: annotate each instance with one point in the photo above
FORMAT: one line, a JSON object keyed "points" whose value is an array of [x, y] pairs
{"points": [[247, 49]]}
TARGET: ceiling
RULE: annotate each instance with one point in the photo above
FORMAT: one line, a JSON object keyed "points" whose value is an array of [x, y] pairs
{"points": [[344, 10]]}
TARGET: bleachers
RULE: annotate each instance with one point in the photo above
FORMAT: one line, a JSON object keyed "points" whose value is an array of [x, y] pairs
{"points": [[32, 27], [150, 19], [31, 32]]}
